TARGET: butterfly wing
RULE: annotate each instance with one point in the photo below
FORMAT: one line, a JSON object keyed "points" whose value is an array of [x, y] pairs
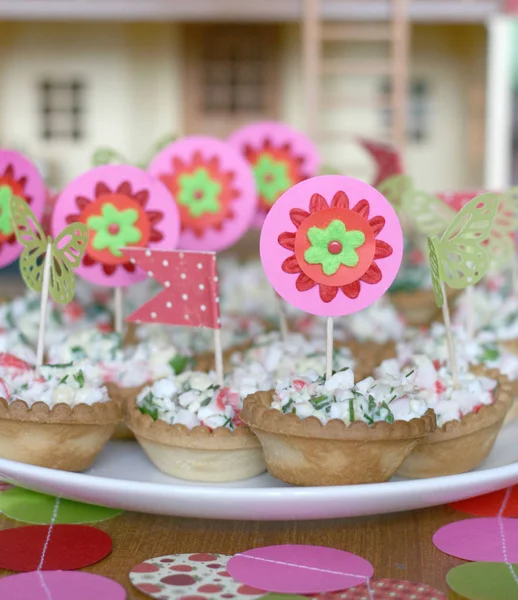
{"points": [[30, 235], [430, 215], [67, 251], [394, 187], [107, 156], [463, 257], [500, 243], [435, 268]]}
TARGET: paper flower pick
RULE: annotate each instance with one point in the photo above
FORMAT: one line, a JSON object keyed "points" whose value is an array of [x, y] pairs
{"points": [[394, 188], [459, 257], [279, 156], [46, 265], [20, 177], [214, 190], [331, 246], [387, 158], [121, 206]]}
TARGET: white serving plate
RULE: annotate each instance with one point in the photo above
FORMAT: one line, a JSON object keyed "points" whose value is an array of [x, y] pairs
{"points": [[123, 477]]}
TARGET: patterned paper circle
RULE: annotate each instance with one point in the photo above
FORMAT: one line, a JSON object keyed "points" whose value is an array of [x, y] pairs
{"points": [[331, 245], [213, 187], [189, 577], [60, 585], [19, 174], [280, 157], [300, 569], [122, 206], [387, 589], [493, 539], [484, 581]]}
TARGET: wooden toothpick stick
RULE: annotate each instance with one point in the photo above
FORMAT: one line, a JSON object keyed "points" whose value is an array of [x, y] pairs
{"points": [[449, 339], [43, 305], [329, 348]]}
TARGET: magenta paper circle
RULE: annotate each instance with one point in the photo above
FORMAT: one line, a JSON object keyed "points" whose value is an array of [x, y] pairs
{"points": [[317, 199], [226, 203], [490, 539], [60, 585], [283, 143], [124, 187], [294, 569], [23, 178]]}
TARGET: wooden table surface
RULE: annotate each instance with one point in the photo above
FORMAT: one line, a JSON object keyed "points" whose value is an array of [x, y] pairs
{"points": [[398, 545]]}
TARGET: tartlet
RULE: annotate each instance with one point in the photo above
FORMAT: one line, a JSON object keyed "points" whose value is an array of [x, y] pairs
{"points": [[418, 308], [307, 451]]}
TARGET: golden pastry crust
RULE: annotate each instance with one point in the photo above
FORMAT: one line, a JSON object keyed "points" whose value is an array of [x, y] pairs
{"points": [[418, 308], [307, 452]]}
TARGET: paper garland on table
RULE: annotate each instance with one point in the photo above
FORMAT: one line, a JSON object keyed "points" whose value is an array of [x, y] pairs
{"points": [[331, 245], [490, 505], [191, 287], [213, 188], [492, 539], [57, 547], [19, 176], [484, 581], [387, 158], [189, 575], [279, 156], [122, 206], [386, 589], [31, 507], [300, 569], [60, 585]]}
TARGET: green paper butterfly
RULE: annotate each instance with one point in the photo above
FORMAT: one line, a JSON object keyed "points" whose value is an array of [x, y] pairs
{"points": [[108, 156], [459, 258], [394, 188], [500, 243], [66, 252]]}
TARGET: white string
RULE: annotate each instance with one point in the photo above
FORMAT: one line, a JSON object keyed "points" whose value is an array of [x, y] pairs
{"points": [[45, 548], [502, 534]]}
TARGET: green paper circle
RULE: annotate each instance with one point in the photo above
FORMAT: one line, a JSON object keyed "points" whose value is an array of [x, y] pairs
{"points": [[31, 507], [484, 581]]}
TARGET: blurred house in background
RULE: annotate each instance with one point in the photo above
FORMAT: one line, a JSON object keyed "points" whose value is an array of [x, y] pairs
{"points": [[79, 74]]}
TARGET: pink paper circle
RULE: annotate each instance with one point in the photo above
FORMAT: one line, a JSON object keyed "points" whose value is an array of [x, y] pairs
{"points": [[236, 178], [491, 539], [278, 221], [141, 183], [294, 569], [15, 168], [253, 138], [60, 585]]}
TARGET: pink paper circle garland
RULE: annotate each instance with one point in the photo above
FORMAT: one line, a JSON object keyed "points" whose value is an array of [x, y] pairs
{"points": [[280, 157], [18, 173], [300, 569], [122, 206], [214, 190], [331, 245]]}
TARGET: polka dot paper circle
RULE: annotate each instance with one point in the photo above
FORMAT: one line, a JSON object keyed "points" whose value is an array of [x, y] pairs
{"points": [[189, 577], [60, 585], [69, 547], [300, 569], [484, 581], [22, 177], [122, 206], [213, 187], [331, 245], [387, 589], [279, 156], [487, 540], [31, 507]]}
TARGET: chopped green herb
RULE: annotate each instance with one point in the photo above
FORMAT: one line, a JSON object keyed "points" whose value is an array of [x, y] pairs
{"points": [[390, 417], [24, 339], [228, 423], [148, 408], [63, 380], [393, 398], [10, 319], [60, 365], [489, 353], [24, 386], [319, 402], [57, 317], [206, 402], [78, 352], [351, 411], [369, 419], [214, 387], [180, 363], [80, 378], [410, 373], [372, 403], [287, 405]]}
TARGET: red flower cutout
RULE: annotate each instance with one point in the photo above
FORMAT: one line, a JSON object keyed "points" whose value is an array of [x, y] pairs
{"points": [[122, 199], [347, 279], [203, 192], [18, 189], [276, 169]]}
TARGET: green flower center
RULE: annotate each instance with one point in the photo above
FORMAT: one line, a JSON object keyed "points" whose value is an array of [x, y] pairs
{"points": [[199, 193], [333, 246], [114, 229], [6, 223], [271, 177]]}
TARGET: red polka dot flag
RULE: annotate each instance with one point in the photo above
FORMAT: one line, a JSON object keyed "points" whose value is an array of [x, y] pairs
{"points": [[190, 295]]}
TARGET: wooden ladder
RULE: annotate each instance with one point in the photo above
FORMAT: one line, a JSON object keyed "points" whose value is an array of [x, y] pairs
{"points": [[317, 68]]}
